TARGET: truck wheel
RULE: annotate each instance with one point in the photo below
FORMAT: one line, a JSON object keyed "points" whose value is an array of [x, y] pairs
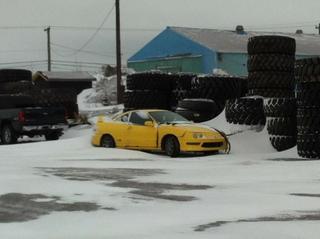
{"points": [[52, 136], [107, 141], [8, 136], [172, 146]]}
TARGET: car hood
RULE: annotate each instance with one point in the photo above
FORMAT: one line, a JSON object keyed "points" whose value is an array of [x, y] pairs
{"points": [[192, 128]]}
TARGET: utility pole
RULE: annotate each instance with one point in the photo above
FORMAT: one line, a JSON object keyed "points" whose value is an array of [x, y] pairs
{"points": [[318, 27], [49, 47], [118, 43]]}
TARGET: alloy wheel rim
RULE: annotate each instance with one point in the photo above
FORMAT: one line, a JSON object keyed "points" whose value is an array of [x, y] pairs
{"points": [[7, 135]]}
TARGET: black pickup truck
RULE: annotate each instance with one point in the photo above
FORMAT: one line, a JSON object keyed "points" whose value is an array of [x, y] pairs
{"points": [[18, 118]]}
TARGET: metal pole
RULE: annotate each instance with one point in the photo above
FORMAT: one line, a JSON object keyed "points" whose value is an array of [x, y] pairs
{"points": [[118, 43], [49, 47]]}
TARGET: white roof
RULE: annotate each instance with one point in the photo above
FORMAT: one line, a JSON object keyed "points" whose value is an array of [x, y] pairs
{"points": [[231, 41]]}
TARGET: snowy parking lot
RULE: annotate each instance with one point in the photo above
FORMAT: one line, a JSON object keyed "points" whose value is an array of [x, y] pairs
{"points": [[70, 189]]}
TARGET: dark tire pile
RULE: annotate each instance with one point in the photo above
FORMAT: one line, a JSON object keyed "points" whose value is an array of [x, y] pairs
{"points": [[13, 83], [245, 111], [196, 98], [271, 75], [55, 94], [18, 90], [308, 76], [148, 90]]}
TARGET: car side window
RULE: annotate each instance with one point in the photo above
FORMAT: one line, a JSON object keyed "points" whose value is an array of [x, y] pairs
{"points": [[124, 118], [139, 118]]}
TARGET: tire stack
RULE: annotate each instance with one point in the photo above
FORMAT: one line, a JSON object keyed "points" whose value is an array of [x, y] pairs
{"points": [[308, 116], [281, 116], [198, 110], [15, 81], [56, 94], [271, 66], [246, 111], [210, 94], [181, 89], [148, 90], [271, 75], [13, 86]]}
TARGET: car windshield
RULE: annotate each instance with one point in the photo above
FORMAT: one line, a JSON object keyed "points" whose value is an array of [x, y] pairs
{"points": [[165, 117]]}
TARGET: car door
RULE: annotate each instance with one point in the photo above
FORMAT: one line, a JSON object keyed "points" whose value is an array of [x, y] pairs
{"points": [[120, 129], [138, 134]]}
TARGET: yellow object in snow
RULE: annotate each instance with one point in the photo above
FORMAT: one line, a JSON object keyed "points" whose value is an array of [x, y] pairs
{"points": [[157, 130]]}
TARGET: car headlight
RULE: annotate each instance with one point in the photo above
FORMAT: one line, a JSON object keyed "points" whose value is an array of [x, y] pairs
{"points": [[198, 136]]}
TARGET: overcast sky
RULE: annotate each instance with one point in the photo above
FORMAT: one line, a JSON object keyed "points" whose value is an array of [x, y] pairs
{"points": [[141, 20]]}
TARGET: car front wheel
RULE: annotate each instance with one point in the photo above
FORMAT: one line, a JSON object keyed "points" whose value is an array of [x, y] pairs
{"points": [[172, 146], [107, 141]]}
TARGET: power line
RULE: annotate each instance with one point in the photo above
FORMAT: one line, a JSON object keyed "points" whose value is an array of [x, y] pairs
{"points": [[96, 32], [84, 51], [26, 50], [83, 62], [80, 28], [22, 62], [77, 65]]}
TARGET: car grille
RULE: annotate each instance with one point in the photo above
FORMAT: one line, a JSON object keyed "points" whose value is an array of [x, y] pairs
{"points": [[212, 145]]}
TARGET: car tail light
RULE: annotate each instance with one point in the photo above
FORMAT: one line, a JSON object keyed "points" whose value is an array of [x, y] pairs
{"points": [[22, 117]]}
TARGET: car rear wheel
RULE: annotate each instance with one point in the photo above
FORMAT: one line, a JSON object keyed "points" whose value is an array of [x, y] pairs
{"points": [[172, 146], [8, 136], [107, 141]]}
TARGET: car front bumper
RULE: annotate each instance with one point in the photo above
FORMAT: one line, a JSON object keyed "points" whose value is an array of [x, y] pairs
{"points": [[203, 145], [95, 139]]}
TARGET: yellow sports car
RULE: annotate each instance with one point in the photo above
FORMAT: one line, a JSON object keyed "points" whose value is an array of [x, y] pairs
{"points": [[157, 130]]}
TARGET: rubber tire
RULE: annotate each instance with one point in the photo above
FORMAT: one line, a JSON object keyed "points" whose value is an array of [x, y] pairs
{"points": [[281, 143], [282, 126], [308, 146], [18, 87], [150, 81], [15, 101], [271, 44], [146, 100], [272, 93], [9, 75], [107, 141], [217, 87], [200, 105], [184, 81], [280, 107], [270, 79], [245, 111], [308, 70], [178, 95], [52, 136], [8, 135], [196, 116], [172, 146], [308, 120], [271, 62], [308, 94]]}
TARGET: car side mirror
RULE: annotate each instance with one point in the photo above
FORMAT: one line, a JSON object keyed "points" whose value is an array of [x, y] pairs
{"points": [[149, 123]]}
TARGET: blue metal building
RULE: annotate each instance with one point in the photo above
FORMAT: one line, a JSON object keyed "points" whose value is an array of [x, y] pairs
{"points": [[180, 49]]}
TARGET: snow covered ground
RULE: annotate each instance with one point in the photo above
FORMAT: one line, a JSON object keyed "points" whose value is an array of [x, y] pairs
{"points": [[70, 189]]}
